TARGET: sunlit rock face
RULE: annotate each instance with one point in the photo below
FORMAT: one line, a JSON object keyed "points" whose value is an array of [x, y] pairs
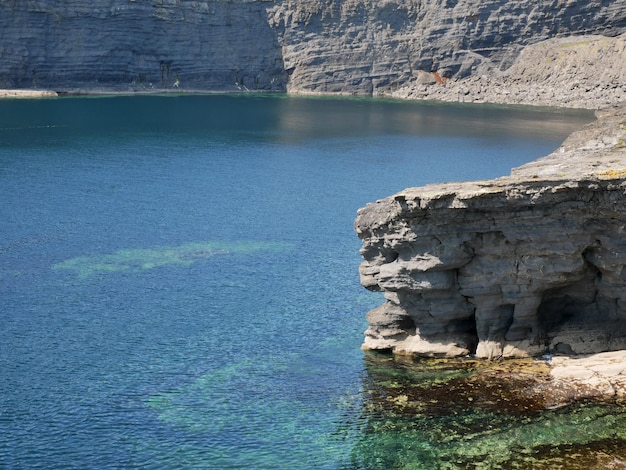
{"points": [[335, 46], [522, 265], [365, 47]]}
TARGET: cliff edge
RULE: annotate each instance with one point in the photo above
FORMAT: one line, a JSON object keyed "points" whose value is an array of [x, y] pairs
{"points": [[524, 265]]}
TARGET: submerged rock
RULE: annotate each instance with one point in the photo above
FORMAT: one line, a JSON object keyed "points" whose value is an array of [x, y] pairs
{"points": [[469, 413], [523, 265]]}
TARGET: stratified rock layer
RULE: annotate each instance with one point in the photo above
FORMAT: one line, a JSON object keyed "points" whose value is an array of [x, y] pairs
{"points": [[521, 265], [360, 46], [139, 45], [301, 46]]}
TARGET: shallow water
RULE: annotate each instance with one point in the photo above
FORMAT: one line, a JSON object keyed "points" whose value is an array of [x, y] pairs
{"points": [[446, 414], [179, 286]]}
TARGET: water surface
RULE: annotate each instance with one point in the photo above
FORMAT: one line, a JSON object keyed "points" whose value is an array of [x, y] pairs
{"points": [[179, 282]]}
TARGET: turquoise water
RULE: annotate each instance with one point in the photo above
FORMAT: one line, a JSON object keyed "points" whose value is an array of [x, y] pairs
{"points": [[179, 283]]}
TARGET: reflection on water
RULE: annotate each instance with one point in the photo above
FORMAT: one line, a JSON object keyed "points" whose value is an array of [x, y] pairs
{"points": [[357, 116], [275, 119], [428, 414]]}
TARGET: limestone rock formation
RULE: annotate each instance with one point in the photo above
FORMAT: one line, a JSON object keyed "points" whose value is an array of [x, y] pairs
{"points": [[601, 375], [521, 265]]}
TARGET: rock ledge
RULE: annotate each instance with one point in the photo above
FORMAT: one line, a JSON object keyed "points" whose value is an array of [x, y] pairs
{"points": [[524, 265]]}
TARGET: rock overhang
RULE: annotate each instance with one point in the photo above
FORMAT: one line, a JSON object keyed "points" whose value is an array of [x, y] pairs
{"points": [[522, 265]]}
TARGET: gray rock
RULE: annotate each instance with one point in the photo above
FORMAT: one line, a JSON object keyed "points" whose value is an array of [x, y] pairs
{"points": [[576, 72], [521, 265], [74, 45], [360, 47], [304, 46]]}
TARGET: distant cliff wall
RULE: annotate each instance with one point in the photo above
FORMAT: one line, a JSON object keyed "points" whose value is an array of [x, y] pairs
{"points": [[339, 46], [586, 71], [138, 44]]}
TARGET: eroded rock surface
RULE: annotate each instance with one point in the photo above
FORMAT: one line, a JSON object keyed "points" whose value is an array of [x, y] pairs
{"points": [[601, 375], [522, 265]]}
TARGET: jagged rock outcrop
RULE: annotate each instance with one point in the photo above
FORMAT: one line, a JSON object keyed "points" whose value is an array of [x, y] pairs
{"points": [[522, 265], [302, 46]]}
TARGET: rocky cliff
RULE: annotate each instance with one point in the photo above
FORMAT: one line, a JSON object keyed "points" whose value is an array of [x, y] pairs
{"points": [[139, 45], [342, 46], [522, 265], [376, 47]]}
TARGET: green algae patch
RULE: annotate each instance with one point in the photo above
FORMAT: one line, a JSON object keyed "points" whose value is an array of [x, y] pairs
{"points": [[465, 413], [137, 260]]}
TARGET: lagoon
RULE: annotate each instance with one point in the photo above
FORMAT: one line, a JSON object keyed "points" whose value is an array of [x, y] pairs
{"points": [[179, 284]]}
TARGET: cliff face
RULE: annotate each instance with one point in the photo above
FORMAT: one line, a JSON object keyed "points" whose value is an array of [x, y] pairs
{"points": [[138, 44], [522, 265], [359, 46], [346, 46]]}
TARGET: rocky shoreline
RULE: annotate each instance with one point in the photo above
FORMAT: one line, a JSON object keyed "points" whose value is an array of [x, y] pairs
{"points": [[583, 72], [27, 93], [595, 376]]}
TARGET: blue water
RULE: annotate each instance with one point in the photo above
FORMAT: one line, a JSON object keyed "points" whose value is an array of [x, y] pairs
{"points": [[179, 275]]}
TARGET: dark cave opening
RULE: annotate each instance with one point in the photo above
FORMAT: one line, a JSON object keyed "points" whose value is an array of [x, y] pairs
{"points": [[557, 308], [465, 329], [568, 305]]}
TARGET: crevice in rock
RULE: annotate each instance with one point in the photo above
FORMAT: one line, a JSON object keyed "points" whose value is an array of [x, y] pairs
{"points": [[408, 326], [470, 328], [506, 312], [391, 256], [562, 304], [472, 333]]}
